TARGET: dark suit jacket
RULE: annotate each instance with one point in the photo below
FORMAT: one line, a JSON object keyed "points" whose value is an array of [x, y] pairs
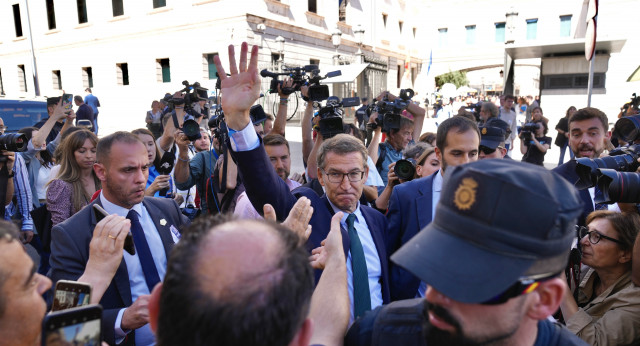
{"points": [[410, 208], [70, 253], [264, 186], [568, 171]]}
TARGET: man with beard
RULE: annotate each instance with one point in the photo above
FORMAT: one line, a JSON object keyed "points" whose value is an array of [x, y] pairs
{"points": [[588, 134], [123, 167], [277, 148], [494, 278], [413, 204]]}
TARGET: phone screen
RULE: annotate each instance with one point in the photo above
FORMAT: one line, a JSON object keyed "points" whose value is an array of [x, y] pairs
{"points": [[67, 101], [79, 327], [70, 294]]}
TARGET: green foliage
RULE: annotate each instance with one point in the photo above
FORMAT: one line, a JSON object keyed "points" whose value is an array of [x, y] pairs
{"points": [[458, 78]]}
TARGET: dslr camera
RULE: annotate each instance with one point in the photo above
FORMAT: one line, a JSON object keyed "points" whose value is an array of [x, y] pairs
{"points": [[389, 112], [192, 93]]}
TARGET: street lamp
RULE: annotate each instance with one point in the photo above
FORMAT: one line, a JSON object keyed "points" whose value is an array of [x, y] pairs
{"points": [[280, 42], [359, 34], [336, 37]]}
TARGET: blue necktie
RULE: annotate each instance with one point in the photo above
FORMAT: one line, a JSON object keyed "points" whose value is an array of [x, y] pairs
{"points": [[144, 253], [600, 196], [361, 293]]}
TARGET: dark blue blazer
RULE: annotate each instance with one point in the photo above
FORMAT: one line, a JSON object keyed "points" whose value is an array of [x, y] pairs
{"points": [[70, 253], [410, 209], [264, 186], [568, 171]]}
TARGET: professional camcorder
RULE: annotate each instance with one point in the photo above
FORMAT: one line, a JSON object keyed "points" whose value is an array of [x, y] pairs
{"points": [[331, 115], [389, 112], [528, 130], [307, 75], [192, 93]]}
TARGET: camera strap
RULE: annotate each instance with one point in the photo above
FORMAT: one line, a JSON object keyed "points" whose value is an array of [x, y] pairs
{"points": [[4, 180], [174, 116]]}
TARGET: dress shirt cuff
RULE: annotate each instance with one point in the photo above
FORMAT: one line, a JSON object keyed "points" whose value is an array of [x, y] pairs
{"points": [[245, 139], [120, 334], [27, 225]]}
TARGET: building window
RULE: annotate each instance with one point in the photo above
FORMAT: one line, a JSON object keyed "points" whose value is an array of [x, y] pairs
{"points": [[500, 32], [399, 76], [22, 78], [313, 6], [415, 30], [51, 15], [384, 19], [573, 81], [122, 73], [442, 37], [82, 11], [159, 3], [118, 8], [400, 24], [275, 58], [16, 20], [342, 10], [56, 79], [87, 77], [471, 34], [532, 28], [314, 62], [164, 70], [565, 26], [209, 67]]}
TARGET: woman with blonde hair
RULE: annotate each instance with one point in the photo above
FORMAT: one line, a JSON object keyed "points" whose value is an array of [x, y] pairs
{"points": [[76, 181]]}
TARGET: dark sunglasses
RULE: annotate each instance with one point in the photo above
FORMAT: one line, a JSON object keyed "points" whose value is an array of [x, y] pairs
{"points": [[487, 150], [522, 286]]}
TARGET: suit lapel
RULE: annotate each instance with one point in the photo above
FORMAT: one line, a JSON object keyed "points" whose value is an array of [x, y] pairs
{"points": [[346, 241], [163, 230], [424, 203]]}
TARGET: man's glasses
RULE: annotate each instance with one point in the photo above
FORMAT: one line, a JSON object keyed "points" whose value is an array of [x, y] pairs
{"points": [[335, 177], [522, 286], [594, 236], [487, 150]]}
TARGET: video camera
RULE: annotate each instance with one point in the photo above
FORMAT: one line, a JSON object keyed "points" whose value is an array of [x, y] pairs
{"points": [[389, 112], [192, 93], [331, 115], [306, 75], [528, 130]]}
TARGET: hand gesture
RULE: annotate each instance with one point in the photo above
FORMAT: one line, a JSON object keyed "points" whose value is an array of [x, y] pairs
{"points": [[241, 89], [298, 219], [331, 249], [58, 111], [105, 248]]}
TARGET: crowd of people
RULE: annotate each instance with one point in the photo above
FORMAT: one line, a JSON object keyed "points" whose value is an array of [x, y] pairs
{"points": [[420, 239]]}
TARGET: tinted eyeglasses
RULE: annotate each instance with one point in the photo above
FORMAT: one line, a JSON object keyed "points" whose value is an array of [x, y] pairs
{"points": [[487, 150], [522, 286], [594, 236]]}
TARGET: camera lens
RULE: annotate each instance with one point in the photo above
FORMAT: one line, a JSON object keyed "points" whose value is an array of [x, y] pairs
{"points": [[623, 187], [405, 169], [627, 128], [191, 129], [621, 159], [13, 142]]}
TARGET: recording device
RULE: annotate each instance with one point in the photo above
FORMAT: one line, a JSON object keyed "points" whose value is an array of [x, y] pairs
{"points": [[627, 128], [257, 114], [306, 75], [331, 115], [191, 93], [165, 167], [389, 112], [15, 142], [405, 169], [528, 130], [70, 294], [620, 159], [100, 214], [76, 326], [67, 102]]}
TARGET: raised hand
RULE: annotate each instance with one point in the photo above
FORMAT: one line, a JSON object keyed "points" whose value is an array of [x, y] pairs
{"points": [[241, 89]]}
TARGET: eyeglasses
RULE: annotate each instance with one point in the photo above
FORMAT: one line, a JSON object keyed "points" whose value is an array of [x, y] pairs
{"points": [[594, 236], [487, 150], [336, 177], [522, 286]]}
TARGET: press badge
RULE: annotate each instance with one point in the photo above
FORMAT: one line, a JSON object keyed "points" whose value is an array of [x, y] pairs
{"points": [[175, 234]]}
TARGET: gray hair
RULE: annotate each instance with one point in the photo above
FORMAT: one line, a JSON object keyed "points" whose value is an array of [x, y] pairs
{"points": [[491, 108], [341, 144]]}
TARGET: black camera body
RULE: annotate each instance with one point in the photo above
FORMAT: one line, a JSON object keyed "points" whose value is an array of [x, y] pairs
{"points": [[389, 112], [528, 130], [192, 93], [331, 115], [307, 75], [405, 169]]}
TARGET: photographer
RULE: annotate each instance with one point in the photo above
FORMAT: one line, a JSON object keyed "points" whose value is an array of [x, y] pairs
{"points": [[534, 145]]}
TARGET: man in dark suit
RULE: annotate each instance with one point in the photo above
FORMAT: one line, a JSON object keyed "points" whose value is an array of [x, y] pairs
{"points": [[342, 171], [122, 167], [588, 134], [412, 204]]}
